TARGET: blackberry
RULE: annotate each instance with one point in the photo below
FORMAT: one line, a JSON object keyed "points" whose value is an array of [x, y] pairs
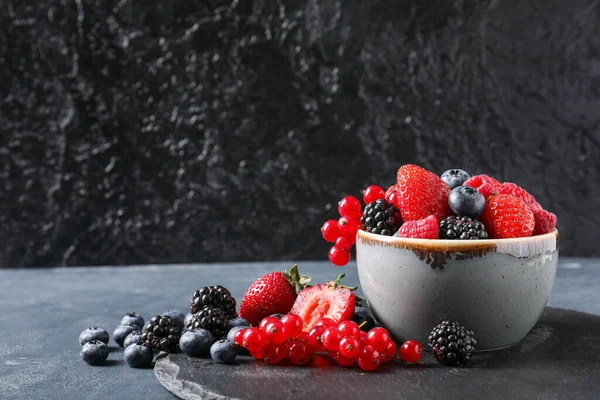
{"points": [[212, 319], [161, 333], [452, 344], [381, 217], [216, 296], [462, 228]]}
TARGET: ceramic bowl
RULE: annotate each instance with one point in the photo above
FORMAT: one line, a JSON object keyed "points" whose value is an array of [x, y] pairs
{"points": [[497, 288]]}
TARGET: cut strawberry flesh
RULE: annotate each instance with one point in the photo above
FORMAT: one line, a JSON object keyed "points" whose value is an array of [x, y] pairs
{"points": [[321, 301]]}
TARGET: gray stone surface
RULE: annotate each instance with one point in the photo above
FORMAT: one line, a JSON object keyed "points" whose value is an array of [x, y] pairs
{"points": [[44, 310]]}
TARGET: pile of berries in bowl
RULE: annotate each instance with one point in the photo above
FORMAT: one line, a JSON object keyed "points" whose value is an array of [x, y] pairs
{"points": [[455, 246]]}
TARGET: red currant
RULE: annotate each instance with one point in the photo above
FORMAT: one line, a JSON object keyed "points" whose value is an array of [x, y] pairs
{"points": [[275, 332], [364, 340], [339, 257], [314, 339], [331, 339], [350, 207], [344, 243], [331, 230], [390, 352], [349, 328], [373, 193], [258, 355], [293, 324], [349, 227], [239, 337], [302, 336], [274, 353], [379, 339], [299, 353], [326, 322], [254, 340], [344, 361], [349, 347], [368, 359], [265, 321], [410, 351]]}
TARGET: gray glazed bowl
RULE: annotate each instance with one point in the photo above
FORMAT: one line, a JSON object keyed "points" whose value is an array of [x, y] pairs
{"points": [[497, 288]]}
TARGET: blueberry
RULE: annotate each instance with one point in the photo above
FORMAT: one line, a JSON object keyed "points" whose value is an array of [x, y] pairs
{"points": [[94, 352], [223, 351], [93, 333], [196, 343], [138, 356], [132, 338], [362, 314], [238, 322], [455, 177], [188, 318], [466, 202], [122, 331], [178, 316], [278, 316], [133, 318]]}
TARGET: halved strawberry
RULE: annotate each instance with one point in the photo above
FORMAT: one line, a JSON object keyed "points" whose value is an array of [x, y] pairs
{"points": [[325, 300]]}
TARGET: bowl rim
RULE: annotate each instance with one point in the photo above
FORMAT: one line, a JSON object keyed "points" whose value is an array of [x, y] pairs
{"points": [[451, 245]]}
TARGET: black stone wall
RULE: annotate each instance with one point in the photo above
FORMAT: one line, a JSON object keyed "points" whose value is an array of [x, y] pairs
{"points": [[212, 130]]}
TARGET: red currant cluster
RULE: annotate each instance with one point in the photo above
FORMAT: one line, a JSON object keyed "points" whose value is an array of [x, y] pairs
{"points": [[343, 231], [276, 340]]}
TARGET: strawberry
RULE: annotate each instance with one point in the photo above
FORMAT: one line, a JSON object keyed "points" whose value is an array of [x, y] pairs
{"points": [[421, 193], [545, 221], [274, 293], [506, 216], [517, 191], [486, 185], [426, 228], [324, 300]]}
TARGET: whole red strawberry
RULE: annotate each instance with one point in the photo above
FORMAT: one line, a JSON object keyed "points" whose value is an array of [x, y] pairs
{"points": [[486, 185], [274, 293], [421, 193], [426, 228], [325, 300], [506, 216], [545, 221]]}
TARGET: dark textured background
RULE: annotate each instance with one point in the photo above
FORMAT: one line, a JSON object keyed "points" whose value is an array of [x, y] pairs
{"points": [[178, 131]]}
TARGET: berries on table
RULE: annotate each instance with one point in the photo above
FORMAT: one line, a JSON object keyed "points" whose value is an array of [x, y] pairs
{"points": [[299, 353], [293, 324], [339, 256], [94, 352], [121, 332], [349, 207], [327, 323], [349, 346], [455, 177], [344, 361], [545, 221], [484, 184], [381, 217], [331, 230], [506, 216], [275, 332], [161, 333], [233, 331], [379, 338], [177, 316], [462, 228], [232, 323], [93, 333], [411, 351], [361, 315], [132, 338], [451, 343], [349, 328], [315, 339], [196, 343], [331, 339], [273, 293], [390, 351], [369, 359], [466, 201], [265, 321], [324, 300], [426, 228], [274, 353], [138, 356], [373, 193], [254, 339], [421, 193], [132, 318], [223, 351], [215, 296], [212, 319]]}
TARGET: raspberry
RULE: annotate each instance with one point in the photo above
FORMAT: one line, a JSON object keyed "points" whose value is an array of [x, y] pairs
{"points": [[426, 228], [545, 221], [517, 191], [506, 216], [421, 193], [486, 185]]}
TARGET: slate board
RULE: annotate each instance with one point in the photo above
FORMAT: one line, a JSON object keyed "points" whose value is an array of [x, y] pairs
{"points": [[559, 359]]}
